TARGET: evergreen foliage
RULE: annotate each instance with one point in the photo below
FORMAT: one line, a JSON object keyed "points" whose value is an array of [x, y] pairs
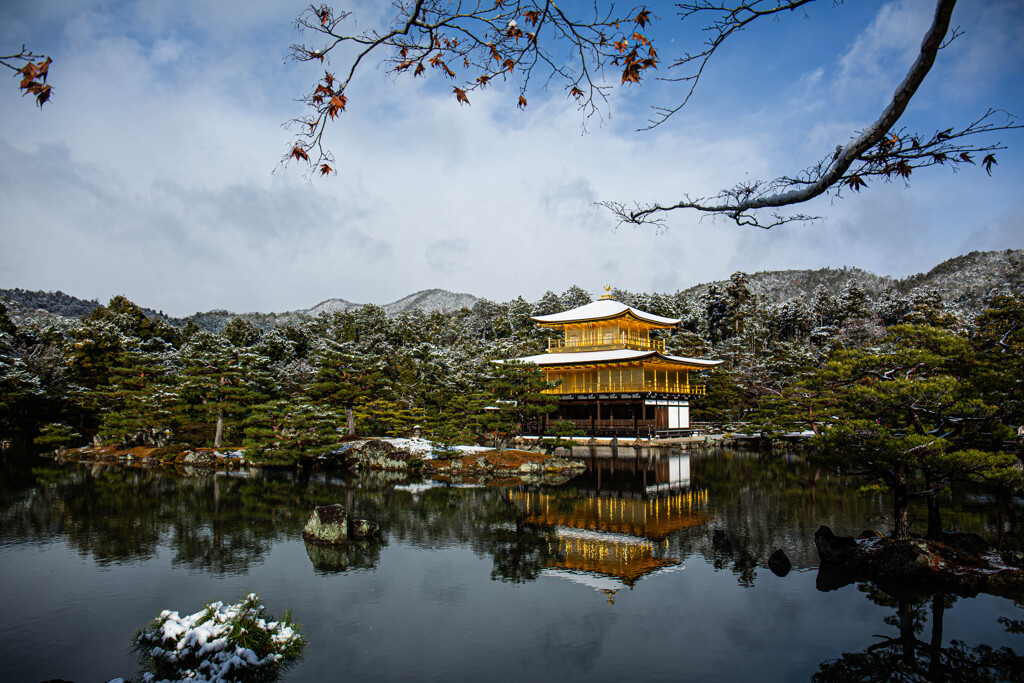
{"points": [[898, 384]]}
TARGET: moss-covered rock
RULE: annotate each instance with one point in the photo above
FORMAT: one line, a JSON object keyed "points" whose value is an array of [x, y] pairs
{"points": [[328, 524]]}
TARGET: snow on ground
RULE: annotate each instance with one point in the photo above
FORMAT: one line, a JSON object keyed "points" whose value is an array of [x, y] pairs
{"points": [[414, 445], [473, 449], [425, 448]]}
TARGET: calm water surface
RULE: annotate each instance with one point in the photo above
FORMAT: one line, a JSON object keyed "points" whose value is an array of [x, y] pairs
{"points": [[651, 566]]}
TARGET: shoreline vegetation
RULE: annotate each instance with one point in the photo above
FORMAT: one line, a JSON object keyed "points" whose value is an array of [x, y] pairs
{"points": [[413, 456], [955, 563]]}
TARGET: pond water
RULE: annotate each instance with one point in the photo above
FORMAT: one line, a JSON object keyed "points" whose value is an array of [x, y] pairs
{"points": [[649, 566]]}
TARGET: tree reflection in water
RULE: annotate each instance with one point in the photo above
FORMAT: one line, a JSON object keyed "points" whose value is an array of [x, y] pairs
{"points": [[216, 522], [912, 655]]}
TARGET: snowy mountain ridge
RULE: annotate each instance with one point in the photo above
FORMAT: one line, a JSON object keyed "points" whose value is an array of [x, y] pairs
{"points": [[331, 306], [964, 283], [431, 300]]}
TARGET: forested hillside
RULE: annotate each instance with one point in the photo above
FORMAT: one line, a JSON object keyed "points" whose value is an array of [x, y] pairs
{"points": [[283, 384]]}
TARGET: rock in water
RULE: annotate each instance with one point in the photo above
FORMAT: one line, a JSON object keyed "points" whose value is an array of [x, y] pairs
{"points": [[362, 528], [779, 563], [327, 524], [531, 468], [832, 548]]}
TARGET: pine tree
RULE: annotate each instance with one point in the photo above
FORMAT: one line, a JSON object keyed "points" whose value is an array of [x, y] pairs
{"points": [[139, 398], [517, 400], [220, 383], [909, 415], [289, 431], [344, 378]]}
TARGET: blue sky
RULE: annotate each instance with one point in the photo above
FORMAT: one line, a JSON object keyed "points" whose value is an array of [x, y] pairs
{"points": [[153, 170]]}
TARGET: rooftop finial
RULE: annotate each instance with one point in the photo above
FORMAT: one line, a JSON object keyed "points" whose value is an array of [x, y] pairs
{"points": [[607, 292]]}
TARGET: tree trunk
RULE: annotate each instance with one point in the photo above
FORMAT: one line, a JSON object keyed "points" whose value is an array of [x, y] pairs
{"points": [[935, 663], [908, 638], [900, 513], [934, 517], [350, 421], [219, 433]]}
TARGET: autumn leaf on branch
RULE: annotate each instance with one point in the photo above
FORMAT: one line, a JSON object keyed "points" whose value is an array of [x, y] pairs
{"points": [[33, 74], [988, 162], [855, 183], [489, 48], [337, 105]]}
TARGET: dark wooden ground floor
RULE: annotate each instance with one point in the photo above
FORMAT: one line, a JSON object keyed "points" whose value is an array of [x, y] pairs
{"points": [[629, 415]]}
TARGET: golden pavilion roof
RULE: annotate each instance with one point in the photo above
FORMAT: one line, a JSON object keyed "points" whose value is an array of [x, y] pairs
{"points": [[601, 310], [614, 356]]}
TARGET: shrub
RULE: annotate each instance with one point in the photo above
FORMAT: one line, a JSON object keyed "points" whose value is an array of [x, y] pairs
{"points": [[238, 642]]}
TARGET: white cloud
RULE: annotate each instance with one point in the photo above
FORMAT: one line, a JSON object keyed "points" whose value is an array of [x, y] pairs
{"points": [[882, 53], [150, 175]]}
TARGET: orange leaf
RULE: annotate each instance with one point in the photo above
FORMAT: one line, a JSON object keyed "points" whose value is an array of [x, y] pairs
{"points": [[420, 70], [44, 68], [509, 64], [522, 102], [42, 96], [325, 169], [576, 92], [299, 153], [337, 105], [643, 18], [460, 95]]}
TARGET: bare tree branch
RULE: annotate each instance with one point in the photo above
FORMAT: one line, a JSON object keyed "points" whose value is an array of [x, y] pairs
{"points": [[729, 20], [876, 151], [478, 41], [473, 44]]}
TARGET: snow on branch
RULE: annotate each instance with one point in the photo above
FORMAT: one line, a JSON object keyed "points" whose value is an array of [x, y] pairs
{"points": [[878, 151]]}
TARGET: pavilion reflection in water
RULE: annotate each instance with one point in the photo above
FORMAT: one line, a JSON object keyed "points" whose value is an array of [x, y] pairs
{"points": [[611, 524]]}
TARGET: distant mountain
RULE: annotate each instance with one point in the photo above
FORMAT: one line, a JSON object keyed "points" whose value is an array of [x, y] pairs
{"points": [[965, 284], [431, 300], [331, 306], [25, 305], [779, 285], [428, 301]]}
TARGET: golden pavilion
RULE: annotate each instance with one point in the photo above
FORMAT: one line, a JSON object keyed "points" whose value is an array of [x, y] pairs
{"points": [[613, 378], [617, 538]]}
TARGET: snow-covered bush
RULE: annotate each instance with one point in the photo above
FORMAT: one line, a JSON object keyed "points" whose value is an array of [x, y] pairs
{"points": [[238, 642]]}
